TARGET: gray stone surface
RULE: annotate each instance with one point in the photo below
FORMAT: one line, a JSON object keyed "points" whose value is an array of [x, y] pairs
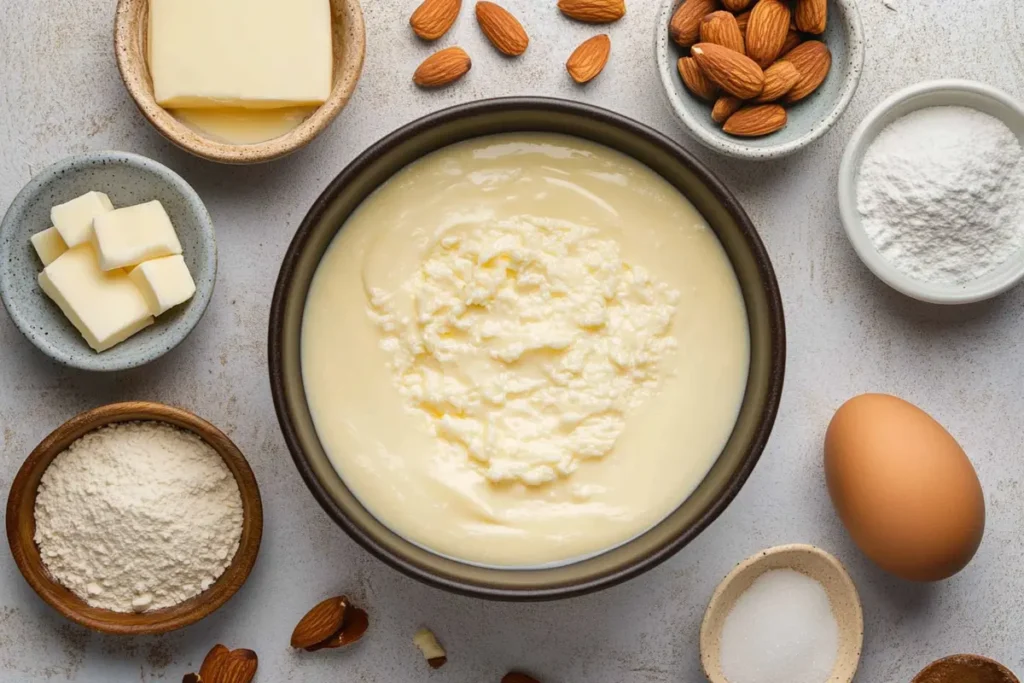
{"points": [[60, 93]]}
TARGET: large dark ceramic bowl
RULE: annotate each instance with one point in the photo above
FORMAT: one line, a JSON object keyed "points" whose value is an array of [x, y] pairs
{"points": [[737, 235]]}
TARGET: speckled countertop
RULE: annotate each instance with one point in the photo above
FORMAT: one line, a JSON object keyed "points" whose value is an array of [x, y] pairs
{"points": [[60, 93]]}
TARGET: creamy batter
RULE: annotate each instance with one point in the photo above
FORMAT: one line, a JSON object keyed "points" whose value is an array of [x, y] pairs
{"points": [[524, 349]]}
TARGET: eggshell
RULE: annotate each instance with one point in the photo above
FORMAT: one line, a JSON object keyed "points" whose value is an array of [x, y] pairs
{"points": [[903, 487]]}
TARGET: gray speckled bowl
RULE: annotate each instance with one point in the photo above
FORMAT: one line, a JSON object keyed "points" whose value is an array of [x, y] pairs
{"points": [[127, 179], [808, 119]]}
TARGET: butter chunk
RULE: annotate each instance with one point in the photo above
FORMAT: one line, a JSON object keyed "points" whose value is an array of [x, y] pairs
{"points": [[258, 54], [106, 308], [129, 236], [49, 245], [74, 219], [164, 282]]}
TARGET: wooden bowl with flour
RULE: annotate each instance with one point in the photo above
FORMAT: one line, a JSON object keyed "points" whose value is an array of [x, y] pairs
{"points": [[21, 523]]}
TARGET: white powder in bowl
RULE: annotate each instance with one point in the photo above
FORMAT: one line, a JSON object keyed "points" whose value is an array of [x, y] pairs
{"points": [[781, 630]]}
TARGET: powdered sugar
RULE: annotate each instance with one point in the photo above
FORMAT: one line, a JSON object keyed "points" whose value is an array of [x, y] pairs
{"points": [[941, 194]]}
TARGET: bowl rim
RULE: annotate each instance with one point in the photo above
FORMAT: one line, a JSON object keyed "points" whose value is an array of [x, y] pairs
{"points": [[200, 301], [627, 570], [980, 659], [736, 147], [883, 114], [21, 501]]}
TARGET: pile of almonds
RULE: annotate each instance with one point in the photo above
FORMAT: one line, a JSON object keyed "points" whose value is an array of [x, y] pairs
{"points": [[751, 57]]}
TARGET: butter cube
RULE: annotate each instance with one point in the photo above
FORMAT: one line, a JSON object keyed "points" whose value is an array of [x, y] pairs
{"points": [[164, 282], [49, 245], [129, 236], [258, 54], [74, 219], [106, 308]]}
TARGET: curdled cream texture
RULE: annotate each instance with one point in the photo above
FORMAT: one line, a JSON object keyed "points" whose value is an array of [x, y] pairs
{"points": [[524, 349]]}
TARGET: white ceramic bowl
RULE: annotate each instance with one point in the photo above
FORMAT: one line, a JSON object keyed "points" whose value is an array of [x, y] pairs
{"points": [[808, 119], [977, 96]]}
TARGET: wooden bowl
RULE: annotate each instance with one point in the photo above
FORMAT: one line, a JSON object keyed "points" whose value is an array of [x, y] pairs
{"points": [[967, 668], [21, 525], [130, 45]]}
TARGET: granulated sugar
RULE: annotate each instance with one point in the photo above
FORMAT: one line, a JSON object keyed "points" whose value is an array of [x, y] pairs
{"points": [[781, 630]]}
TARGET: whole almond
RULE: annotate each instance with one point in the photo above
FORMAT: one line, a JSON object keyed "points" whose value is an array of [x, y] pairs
{"points": [[792, 40], [813, 60], [741, 21], [516, 677], [756, 121], [501, 28], [353, 628], [694, 79], [735, 73], [685, 25], [192, 678], [593, 11], [213, 662], [766, 31], [736, 5], [588, 60], [811, 15], [725, 106], [442, 68], [320, 623], [239, 667], [433, 18], [779, 79], [721, 28]]}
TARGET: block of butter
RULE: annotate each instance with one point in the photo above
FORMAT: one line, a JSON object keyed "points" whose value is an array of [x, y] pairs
{"points": [[240, 53], [164, 282], [107, 308], [74, 219], [49, 245], [129, 236]]}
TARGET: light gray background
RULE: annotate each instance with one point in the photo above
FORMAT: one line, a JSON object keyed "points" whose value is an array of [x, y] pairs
{"points": [[60, 93]]}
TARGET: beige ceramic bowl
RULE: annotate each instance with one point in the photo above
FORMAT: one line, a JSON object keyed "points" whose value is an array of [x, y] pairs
{"points": [[130, 45], [808, 560]]}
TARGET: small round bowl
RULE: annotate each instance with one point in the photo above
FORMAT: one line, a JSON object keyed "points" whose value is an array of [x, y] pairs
{"points": [[808, 560], [131, 29], [958, 93], [739, 240], [808, 119], [972, 668], [21, 524], [127, 179]]}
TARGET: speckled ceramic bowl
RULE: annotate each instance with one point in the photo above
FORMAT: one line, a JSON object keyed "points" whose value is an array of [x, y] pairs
{"points": [[808, 120], [127, 179], [722, 212]]}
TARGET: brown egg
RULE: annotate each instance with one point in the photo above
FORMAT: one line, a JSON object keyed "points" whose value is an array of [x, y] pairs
{"points": [[903, 488]]}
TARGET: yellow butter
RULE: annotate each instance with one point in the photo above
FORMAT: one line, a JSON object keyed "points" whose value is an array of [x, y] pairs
{"points": [[74, 219], [129, 236], [48, 245], [164, 282]]}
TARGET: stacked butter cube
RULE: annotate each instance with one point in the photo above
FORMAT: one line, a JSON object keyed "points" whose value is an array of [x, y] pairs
{"points": [[112, 271]]}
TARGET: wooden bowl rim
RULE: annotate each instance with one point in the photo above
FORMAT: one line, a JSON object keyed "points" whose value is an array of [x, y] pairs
{"points": [[1008, 675], [136, 79], [26, 554]]}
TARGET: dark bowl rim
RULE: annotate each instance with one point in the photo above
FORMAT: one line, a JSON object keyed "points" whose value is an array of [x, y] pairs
{"points": [[556, 105]]}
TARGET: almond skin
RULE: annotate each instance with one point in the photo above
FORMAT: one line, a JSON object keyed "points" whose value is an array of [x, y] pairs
{"points": [[213, 662], [811, 16], [767, 31], [442, 68], [593, 11], [433, 18], [353, 628], [694, 79], [813, 60], [721, 28], [502, 29], [742, 20], [589, 59], [736, 5], [756, 121], [779, 79], [239, 667], [725, 106], [320, 623], [685, 25], [792, 40], [736, 74]]}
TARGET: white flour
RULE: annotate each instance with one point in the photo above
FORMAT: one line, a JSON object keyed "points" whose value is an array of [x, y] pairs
{"points": [[941, 194], [138, 516]]}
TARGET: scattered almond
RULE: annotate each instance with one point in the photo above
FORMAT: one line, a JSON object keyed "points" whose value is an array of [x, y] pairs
{"points": [[735, 73], [779, 79], [320, 623], [354, 626], [589, 59], [442, 68], [792, 40], [222, 665], [685, 25], [432, 650], [811, 15], [192, 678], [755, 121], [725, 106], [516, 677], [501, 28], [736, 5], [813, 60], [766, 31], [433, 18], [593, 11], [694, 79], [212, 662], [741, 21], [722, 29]]}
